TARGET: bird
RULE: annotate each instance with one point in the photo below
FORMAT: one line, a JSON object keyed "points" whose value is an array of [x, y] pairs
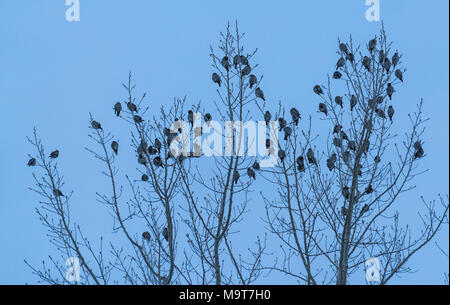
{"points": [[32, 162], [372, 103], [399, 75], [207, 118], [351, 145], [165, 234], [246, 71], [318, 90], [343, 135], [300, 164], [343, 48], [310, 156], [144, 178], [331, 162], [337, 128], [287, 132], [137, 119], [236, 61], [340, 63], [259, 94], [96, 125], [391, 112], [57, 193], [366, 63], [117, 108], [236, 177], [282, 123], [157, 161], [323, 108], [353, 102], [372, 45], [141, 159], [295, 114], [146, 236], [369, 189], [244, 60], [267, 117], [132, 107], [115, 147], [387, 65], [338, 100], [364, 210], [395, 59], [377, 159], [390, 90], [419, 154], [418, 145], [251, 173], [337, 75], [142, 147], [225, 63], [268, 143], [152, 151], [380, 113], [350, 57], [379, 99], [191, 117], [216, 79], [344, 211], [346, 192], [54, 154], [252, 81], [337, 142], [281, 155], [346, 156], [256, 166], [157, 145]]}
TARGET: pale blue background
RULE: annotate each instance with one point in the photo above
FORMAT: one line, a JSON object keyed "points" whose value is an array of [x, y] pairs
{"points": [[53, 73]]}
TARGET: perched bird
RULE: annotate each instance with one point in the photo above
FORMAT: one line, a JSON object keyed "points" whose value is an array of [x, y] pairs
{"points": [[244, 60], [115, 147], [132, 107], [117, 108], [344, 211], [310, 156], [300, 164], [351, 145], [32, 162], [287, 132], [387, 64], [353, 102], [346, 156], [337, 75], [350, 57], [137, 119], [246, 71], [419, 154], [391, 112], [165, 234], [331, 162], [364, 210], [377, 159], [282, 123], [146, 236], [251, 173], [236, 61], [157, 161], [338, 100], [323, 108], [366, 146], [337, 128], [418, 145], [256, 166], [191, 117], [152, 151], [157, 145], [381, 57], [366, 63], [267, 117], [399, 75], [337, 142], [340, 63], [236, 177], [343, 135], [259, 93], [395, 59], [141, 159], [295, 116], [343, 48], [281, 155], [372, 103], [54, 154], [346, 192], [390, 90], [207, 118], [58, 193], [225, 63], [268, 143], [380, 113], [144, 178], [252, 81], [142, 147], [369, 189], [372, 45], [380, 99], [96, 125], [318, 90], [216, 79]]}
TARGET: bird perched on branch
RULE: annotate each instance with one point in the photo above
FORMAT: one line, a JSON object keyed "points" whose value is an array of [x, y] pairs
{"points": [[32, 162], [295, 114], [343, 48], [353, 102], [395, 59], [380, 113], [256, 166], [117, 108], [246, 71], [132, 107], [346, 192], [236, 61], [343, 135], [391, 112], [338, 100], [54, 154], [191, 117], [144, 178], [137, 119], [281, 155], [364, 210], [146, 236], [399, 75], [366, 63], [340, 63], [225, 63], [236, 177], [390, 90], [337, 75], [323, 108], [318, 90], [287, 132], [115, 147], [58, 193], [282, 123], [252, 81], [157, 161], [267, 117], [259, 93], [331, 162], [311, 157], [141, 159], [216, 78], [165, 234], [387, 65], [372, 45], [300, 164], [251, 173]]}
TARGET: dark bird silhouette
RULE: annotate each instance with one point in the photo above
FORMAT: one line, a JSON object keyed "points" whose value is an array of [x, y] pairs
{"points": [[310, 156], [137, 119], [287, 132], [418, 145], [256, 166], [267, 117], [379, 99], [366, 63], [54, 154], [158, 145], [331, 162], [300, 164], [208, 118], [390, 90], [419, 154], [132, 107], [338, 100], [377, 159], [268, 143], [117, 108], [251, 173], [246, 71], [381, 57], [353, 102], [343, 48], [337, 75], [32, 162], [165, 234], [146, 236], [343, 135], [142, 147], [295, 114], [282, 123], [344, 211], [144, 178], [395, 59], [259, 94], [340, 63], [351, 145], [318, 90], [346, 192], [380, 113], [337, 142], [58, 193], [350, 57], [225, 63], [372, 103], [157, 161], [252, 81], [236, 61], [387, 65], [391, 112], [337, 128], [399, 75], [96, 125], [191, 117], [281, 155], [372, 45], [364, 210], [236, 177], [346, 156], [115, 147], [141, 159], [244, 60], [216, 79], [323, 108], [369, 189], [152, 151]]}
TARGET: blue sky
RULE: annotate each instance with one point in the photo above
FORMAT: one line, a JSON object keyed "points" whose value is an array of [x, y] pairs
{"points": [[53, 73]]}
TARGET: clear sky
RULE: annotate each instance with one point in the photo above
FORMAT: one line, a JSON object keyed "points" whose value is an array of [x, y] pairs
{"points": [[53, 73]]}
